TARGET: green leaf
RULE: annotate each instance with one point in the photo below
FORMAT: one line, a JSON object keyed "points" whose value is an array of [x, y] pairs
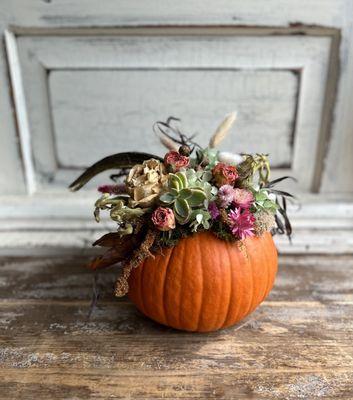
{"points": [[175, 182], [207, 176], [167, 198], [270, 205], [185, 194], [260, 196], [174, 192], [183, 179], [197, 198], [182, 208]]}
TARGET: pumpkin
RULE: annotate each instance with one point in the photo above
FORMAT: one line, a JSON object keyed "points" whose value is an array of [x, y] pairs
{"points": [[204, 283]]}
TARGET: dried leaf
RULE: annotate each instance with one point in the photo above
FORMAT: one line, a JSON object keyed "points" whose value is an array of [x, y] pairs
{"points": [[223, 130], [120, 249], [120, 160]]}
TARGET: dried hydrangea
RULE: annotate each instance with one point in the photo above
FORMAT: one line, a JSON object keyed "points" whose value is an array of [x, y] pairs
{"points": [[264, 221]]}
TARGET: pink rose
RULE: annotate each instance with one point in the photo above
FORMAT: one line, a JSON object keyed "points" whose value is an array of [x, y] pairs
{"points": [[163, 219], [224, 174], [175, 160]]}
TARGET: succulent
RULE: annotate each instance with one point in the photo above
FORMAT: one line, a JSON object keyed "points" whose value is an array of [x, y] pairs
{"points": [[207, 158], [263, 201], [201, 179], [183, 196]]}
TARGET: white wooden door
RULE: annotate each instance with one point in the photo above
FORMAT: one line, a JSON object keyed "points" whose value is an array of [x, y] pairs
{"points": [[82, 80]]}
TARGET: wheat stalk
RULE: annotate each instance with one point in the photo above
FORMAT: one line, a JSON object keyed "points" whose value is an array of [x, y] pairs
{"points": [[168, 143], [222, 130]]}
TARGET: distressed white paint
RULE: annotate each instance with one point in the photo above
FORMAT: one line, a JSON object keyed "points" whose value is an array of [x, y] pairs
{"points": [[95, 111], [252, 19], [66, 224], [267, 106], [20, 102]]}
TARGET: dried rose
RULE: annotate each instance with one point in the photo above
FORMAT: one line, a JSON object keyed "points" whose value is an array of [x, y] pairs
{"points": [[176, 160], [163, 219], [145, 182], [224, 174]]}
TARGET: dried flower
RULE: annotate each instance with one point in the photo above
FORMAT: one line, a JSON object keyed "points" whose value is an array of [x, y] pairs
{"points": [[264, 221], [224, 174], [241, 223], [226, 195], [111, 189], [213, 210], [243, 198], [145, 182], [230, 158], [163, 219], [223, 130], [176, 160]]}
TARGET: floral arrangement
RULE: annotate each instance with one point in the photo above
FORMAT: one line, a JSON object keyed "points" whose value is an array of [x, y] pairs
{"points": [[157, 201]]}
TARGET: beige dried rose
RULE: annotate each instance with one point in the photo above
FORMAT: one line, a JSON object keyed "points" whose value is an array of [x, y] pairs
{"points": [[145, 182]]}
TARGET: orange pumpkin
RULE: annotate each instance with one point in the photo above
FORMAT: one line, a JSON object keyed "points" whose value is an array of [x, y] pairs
{"points": [[204, 283]]}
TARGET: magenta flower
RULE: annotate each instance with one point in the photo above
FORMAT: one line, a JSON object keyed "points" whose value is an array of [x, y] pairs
{"points": [[241, 223], [213, 210], [243, 198], [226, 195], [111, 189]]}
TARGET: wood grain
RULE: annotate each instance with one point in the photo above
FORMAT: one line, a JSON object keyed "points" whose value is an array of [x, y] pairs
{"points": [[298, 344]]}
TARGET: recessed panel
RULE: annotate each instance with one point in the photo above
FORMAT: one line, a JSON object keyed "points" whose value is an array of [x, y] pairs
{"points": [[99, 112]]}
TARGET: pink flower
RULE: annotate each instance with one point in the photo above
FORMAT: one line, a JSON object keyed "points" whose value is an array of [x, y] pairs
{"points": [[243, 198], [226, 195], [241, 223], [224, 174], [163, 219], [176, 160], [213, 210]]}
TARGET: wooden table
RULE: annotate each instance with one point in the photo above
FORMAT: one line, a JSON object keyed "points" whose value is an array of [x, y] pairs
{"points": [[297, 345]]}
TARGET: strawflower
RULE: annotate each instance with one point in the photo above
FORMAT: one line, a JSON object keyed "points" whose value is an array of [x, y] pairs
{"points": [[225, 195], [243, 198], [241, 223]]}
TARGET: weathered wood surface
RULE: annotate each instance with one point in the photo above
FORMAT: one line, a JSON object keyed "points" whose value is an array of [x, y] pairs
{"points": [[298, 344]]}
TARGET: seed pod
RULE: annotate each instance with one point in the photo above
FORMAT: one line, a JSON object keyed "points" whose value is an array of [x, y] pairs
{"points": [[184, 150]]}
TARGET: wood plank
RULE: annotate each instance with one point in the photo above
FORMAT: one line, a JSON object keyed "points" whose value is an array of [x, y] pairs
{"points": [[300, 278], [109, 383], [298, 344], [277, 336]]}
